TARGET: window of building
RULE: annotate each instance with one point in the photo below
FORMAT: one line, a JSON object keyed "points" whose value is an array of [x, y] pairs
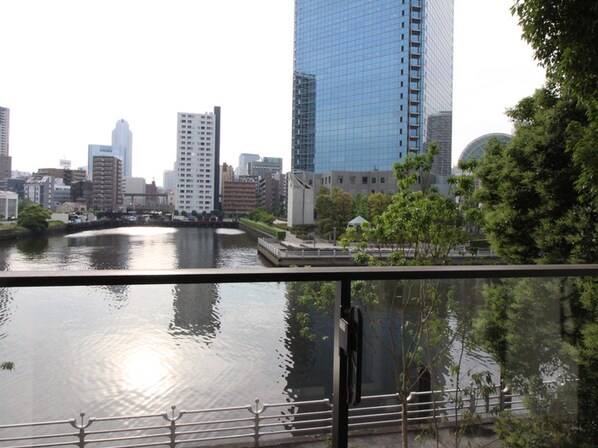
{"points": [[373, 180], [364, 180]]}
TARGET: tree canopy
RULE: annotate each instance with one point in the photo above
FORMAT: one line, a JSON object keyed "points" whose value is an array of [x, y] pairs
{"points": [[420, 225], [533, 211], [34, 218], [334, 209], [563, 34], [539, 196]]}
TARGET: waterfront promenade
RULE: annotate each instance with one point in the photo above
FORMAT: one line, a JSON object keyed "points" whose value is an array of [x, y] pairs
{"points": [[295, 252]]}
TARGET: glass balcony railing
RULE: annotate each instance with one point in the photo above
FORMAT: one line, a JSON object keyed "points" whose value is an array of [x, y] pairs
{"points": [[215, 356]]}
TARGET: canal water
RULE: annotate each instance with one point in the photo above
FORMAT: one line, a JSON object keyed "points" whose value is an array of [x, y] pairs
{"points": [[131, 350]]}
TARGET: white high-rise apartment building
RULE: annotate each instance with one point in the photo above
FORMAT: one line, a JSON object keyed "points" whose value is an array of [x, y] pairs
{"points": [[4, 128], [197, 163], [122, 145], [5, 159]]}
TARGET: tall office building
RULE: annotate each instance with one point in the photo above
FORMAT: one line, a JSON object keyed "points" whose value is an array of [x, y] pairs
{"points": [[367, 77], [244, 160], [122, 145], [197, 163], [5, 159]]}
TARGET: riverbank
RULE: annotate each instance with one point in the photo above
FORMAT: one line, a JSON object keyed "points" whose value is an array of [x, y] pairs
{"points": [[9, 231]]}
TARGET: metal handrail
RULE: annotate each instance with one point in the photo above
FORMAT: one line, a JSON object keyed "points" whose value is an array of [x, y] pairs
{"points": [[173, 432], [265, 275]]}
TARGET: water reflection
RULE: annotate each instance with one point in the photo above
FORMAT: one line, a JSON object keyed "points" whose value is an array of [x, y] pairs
{"points": [[33, 247], [195, 312], [128, 350]]}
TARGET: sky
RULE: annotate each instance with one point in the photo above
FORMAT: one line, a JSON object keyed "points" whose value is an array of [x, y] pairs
{"points": [[70, 69]]}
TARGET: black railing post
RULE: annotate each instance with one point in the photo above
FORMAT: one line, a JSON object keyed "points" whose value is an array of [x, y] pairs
{"points": [[340, 402]]}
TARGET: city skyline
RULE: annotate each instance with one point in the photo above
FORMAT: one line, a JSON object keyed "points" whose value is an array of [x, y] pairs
{"points": [[158, 77]]}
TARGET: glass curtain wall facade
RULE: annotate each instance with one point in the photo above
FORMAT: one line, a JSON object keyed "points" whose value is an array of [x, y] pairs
{"points": [[367, 75]]}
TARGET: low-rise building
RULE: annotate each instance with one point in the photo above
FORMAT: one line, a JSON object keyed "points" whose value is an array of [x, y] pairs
{"points": [[9, 204]]}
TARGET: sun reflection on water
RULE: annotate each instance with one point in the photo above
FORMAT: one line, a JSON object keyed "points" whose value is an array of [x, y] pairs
{"points": [[144, 368]]}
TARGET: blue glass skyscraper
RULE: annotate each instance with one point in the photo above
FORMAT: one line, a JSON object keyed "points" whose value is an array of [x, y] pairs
{"points": [[371, 81]]}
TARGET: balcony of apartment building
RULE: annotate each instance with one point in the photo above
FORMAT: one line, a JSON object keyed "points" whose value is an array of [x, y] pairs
{"points": [[435, 397]]}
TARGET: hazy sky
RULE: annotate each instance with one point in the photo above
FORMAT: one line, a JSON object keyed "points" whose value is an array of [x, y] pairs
{"points": [[69, 69]]}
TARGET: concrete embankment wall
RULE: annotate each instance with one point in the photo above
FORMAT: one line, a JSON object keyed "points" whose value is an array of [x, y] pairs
{"points": [[253, 231]]}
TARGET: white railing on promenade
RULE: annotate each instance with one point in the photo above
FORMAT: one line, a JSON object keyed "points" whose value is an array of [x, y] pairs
{"points": [[274, 247], [254, 422]]}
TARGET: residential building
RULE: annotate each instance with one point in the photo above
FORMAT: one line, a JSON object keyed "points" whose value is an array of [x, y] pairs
{"points": [[198, 162], [108, 183], [40, 190], [4, 130], [122, 145], [368, 77], [239, 197], [269, 192], [227, 173], [5, 159], [268, 170], [98, 150]]}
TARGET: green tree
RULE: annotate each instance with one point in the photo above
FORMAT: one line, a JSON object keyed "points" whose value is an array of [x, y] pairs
{"points": [[377, 203], [34, 218], [261, 215], [543, 209], [539, 205], [333, 210], [563, 34], [419, 225], [532, 207], [360, 206]]}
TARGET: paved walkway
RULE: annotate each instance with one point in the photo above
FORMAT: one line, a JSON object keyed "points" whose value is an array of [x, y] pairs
{"points": [[483, 438]]}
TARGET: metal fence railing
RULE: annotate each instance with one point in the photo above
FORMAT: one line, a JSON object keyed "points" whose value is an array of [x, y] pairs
{"points": [[254, 423]]}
